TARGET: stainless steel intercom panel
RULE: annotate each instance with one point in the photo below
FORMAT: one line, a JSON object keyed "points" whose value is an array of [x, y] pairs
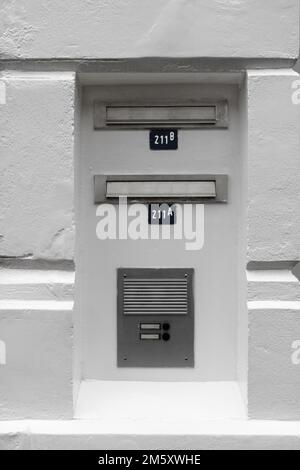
{"points": [[155, 317]]}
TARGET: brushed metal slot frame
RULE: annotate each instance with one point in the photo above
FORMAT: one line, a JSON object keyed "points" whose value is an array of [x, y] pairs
{"points": [[169, 114], [221, 186]]}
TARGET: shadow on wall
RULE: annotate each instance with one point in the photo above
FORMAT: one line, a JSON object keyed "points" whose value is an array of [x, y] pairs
{"points": [[297, 65], [2, 353]]}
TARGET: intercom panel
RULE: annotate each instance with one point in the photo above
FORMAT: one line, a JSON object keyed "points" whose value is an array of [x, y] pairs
{"points": [[155, 317]]}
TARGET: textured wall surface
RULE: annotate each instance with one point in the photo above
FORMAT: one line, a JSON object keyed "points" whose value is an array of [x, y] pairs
{"points": [[36, 381], [36, 165], [273, 167], [89, 435], [134, 28], [274, 371], [268, 285], [273, 227]]}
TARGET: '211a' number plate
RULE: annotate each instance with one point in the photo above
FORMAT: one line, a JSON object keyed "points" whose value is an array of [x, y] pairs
{"points": [[161, 214], [163, 139]]}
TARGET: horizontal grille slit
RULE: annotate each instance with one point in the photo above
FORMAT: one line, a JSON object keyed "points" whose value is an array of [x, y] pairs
{"points": [[155, 296]]}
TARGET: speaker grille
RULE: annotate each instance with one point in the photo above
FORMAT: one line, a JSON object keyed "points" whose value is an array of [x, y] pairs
{"points": [[155, 296]]}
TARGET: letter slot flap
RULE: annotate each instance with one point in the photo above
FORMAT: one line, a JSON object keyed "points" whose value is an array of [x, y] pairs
{"points": [[138, 116], [161, 189], [168, 188]]}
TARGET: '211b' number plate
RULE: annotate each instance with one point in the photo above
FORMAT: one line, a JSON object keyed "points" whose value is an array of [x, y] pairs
{"points": [[163, 139]]}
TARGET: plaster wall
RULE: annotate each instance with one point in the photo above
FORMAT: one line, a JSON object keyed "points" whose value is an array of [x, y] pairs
{"points": [[151, 28], [37, 244], [37, 169], [273, 225], [36, 380]]}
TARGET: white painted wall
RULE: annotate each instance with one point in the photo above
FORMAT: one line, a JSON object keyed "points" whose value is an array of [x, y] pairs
{"points": [[36, 380], [103, 435], [274, 377], [242, 317], [149, 28], [273, 167], [36, 165], [273, 227], [37, 222]]}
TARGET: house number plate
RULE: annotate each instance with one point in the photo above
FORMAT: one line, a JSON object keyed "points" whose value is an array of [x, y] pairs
{"points": [[161, 214], [163, 139]]}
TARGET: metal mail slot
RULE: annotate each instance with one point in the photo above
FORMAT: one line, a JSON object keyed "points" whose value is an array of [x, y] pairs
{"points": [[164, 188], [160, 115]]}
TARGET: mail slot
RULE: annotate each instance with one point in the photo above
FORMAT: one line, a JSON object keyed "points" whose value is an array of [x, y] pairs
{"points": [[176, 188], [161, 189], [160, 115]]}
